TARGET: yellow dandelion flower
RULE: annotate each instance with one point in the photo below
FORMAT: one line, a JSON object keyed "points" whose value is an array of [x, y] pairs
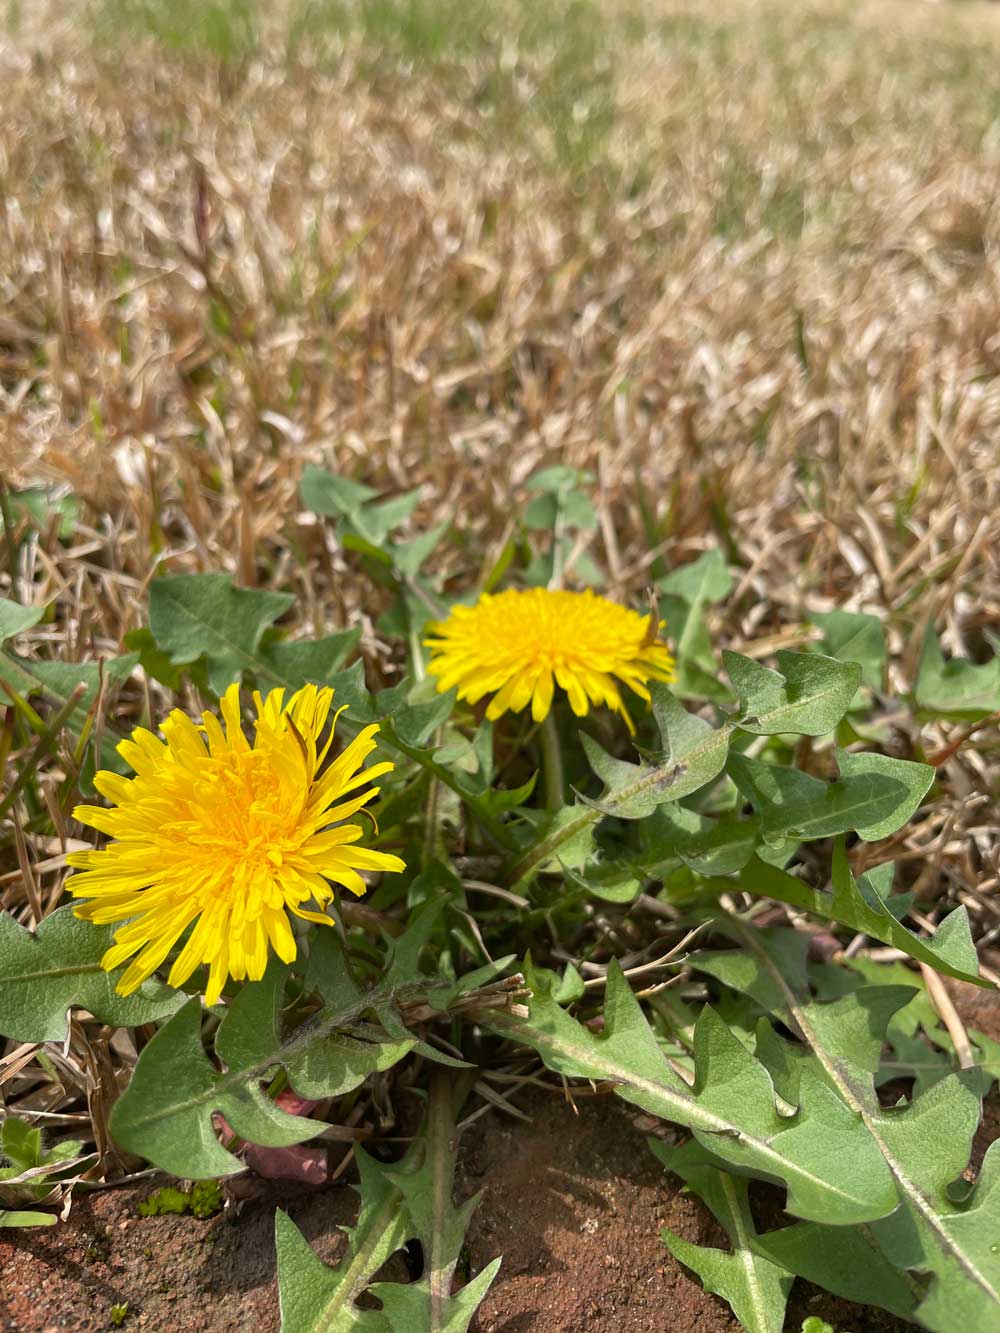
{"points": [[226, 836], [519, 645]]}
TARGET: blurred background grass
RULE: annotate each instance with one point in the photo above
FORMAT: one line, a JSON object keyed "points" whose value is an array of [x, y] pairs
{"points": [[739, 263]]}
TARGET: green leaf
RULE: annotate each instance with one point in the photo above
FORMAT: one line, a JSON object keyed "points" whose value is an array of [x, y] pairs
{"points": [[25, 1150], [340, 497], [694, 752], [14, 618], [703, 580], [19, 1143], [165, 1114], [742, 971], [707, 846], [196, 617], [808, 694], [925, 1145], [57, 681], [612, 883], [821, 1153], [317, 1299], [203, 615], [686, 591], [308, 660], [406, 1308], [875, 796], [410, 556], [411, 1201], [417, 710], [325, 493], [958, 688], [863, 906], [43, 975], [958, 1245], [915, 778], [26, 1218], [40, 504], [485, 805], [846, 1261], [561, 500], [853, 636], [557, 478], [755, 1287], [153, 660]]}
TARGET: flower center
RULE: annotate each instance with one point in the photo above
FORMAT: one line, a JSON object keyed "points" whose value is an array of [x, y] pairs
{"points": [[246, 817]]}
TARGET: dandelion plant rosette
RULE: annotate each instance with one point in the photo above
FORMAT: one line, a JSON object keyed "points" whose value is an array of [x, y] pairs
{"points": [[226, 837], [519, 645]]}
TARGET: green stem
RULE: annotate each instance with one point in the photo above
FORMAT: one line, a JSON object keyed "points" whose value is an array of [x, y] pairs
{"points": [[552, 765], [490, 823]]}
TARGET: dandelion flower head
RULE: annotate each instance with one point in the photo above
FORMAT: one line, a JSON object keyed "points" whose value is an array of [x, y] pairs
{"points": [[518, 646], [226, 837]]}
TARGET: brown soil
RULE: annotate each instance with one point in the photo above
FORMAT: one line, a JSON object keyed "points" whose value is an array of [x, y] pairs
{"points": [[574, 1203]]}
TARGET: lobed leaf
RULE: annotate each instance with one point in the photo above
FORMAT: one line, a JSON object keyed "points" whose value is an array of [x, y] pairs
{"points": [[352, 502], [756, 1287], [821, 1154], [315, 1298], [874, 796], [165, 1114], [693, 753], [846, 1261], [429, 1306], [925, 1145], [410, 1201], [58, 967], [196, 615], [808, 694], [853, 636], [955, 1244], [863, 905]]}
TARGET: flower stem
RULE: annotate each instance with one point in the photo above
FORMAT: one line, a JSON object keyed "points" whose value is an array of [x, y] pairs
{"points": [[552, 764]]}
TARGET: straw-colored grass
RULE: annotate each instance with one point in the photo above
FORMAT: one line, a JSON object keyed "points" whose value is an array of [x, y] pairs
{"points": [[742, 263]]}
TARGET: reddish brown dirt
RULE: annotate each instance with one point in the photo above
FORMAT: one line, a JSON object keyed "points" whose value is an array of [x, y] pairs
{"points": [[574, 1203], [175, 1273]]}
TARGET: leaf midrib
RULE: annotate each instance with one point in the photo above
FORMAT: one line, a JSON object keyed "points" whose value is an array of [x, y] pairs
{"points": [[794, 705], [254, 662], [743, 1248], [77, 969], [705, 1121], [544, 849], [356, 1276], [235, 1077], [856, 1102]]}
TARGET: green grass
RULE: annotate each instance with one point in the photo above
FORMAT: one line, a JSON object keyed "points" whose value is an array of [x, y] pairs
{"points": [[226, 30], [535, 74]]}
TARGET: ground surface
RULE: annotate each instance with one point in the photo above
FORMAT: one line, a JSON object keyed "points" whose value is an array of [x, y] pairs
{"points": [[573, 1202]]}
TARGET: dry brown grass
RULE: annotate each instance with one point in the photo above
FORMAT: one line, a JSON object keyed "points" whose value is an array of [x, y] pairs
{"points": [[767, 314]]}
